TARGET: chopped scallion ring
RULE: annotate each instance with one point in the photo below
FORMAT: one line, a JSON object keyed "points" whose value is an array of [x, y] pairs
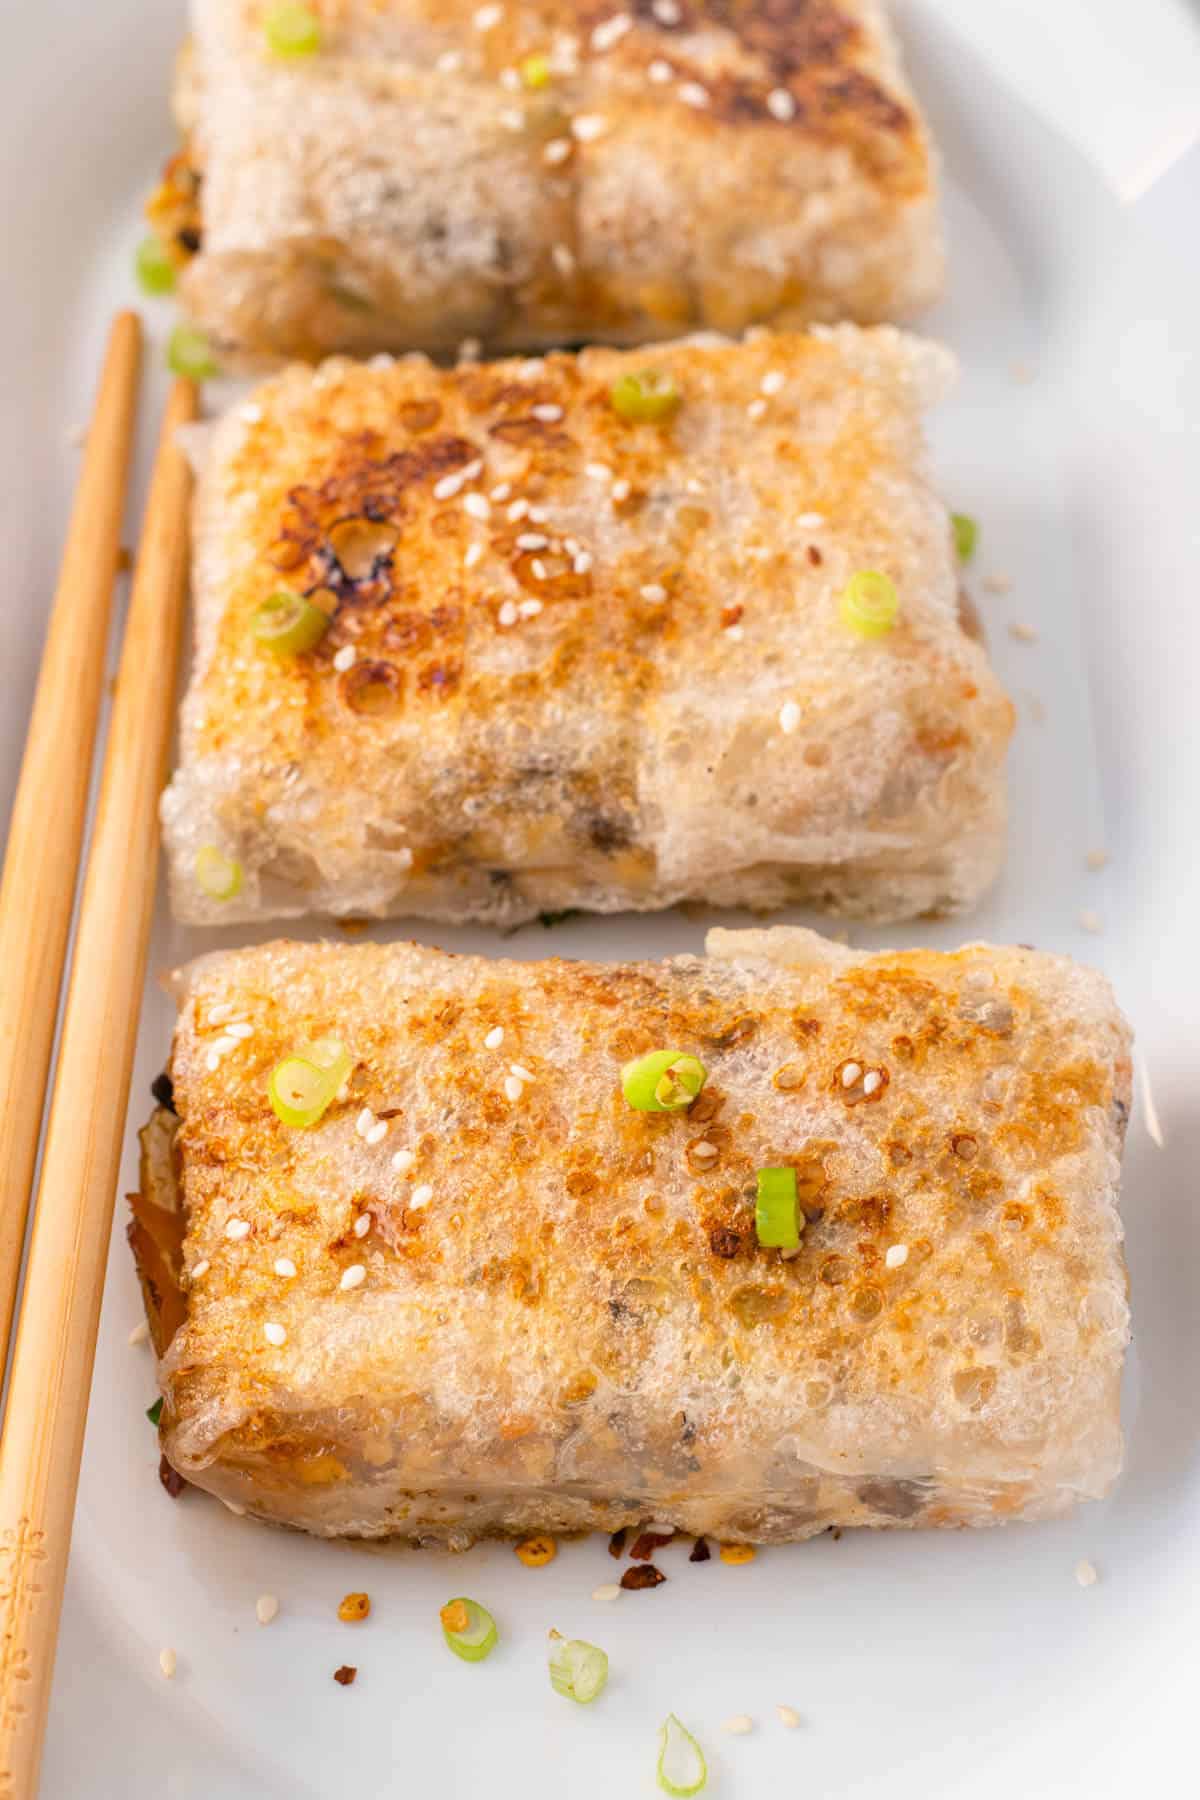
{"points": [[663, 1081], [777, 1218], [469, 1629], [154, 1413], [869, 604], [578, 1671], [303, 1087], [220, 876], [190, 353], [289, 624], [966, 535], [292, 30], [682, 1769], [645, 398], [154, 269], [535, 71]]}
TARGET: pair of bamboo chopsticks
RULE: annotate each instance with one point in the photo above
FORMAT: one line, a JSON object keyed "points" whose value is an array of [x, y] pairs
{"points": [[51, 1368]]}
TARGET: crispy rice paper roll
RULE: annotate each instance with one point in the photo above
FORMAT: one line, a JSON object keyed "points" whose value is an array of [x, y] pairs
{"points": [[557, 1314], [531, 174], [579, 662]]}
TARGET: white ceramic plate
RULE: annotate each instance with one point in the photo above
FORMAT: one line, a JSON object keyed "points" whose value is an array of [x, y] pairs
{"points": [[924, 1664]]}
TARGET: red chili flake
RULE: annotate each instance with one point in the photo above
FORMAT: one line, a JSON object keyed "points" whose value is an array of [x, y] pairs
{"points": [[647, 1544], [616, 1543], [644, 1576], [345, 1675], [700, 1551], [814, 556], [731, 614], [170, 1478]]}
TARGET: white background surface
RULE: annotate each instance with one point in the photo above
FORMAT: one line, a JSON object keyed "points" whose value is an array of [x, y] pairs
{"points": [[922, 1664]]}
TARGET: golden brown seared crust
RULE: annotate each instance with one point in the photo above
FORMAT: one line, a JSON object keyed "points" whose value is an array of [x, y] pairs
{"points": [[707, 164], [564, 1317], [590, 663]]}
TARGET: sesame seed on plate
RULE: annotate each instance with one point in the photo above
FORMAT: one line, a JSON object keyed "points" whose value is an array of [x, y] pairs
{"points": [[538, 514], [734, 633], [563, 258], [512, 118], [1085, 1573], [608, 1590], [1096, 859], [660, 72], [556, 151], [478, 506], [851, 1073], [810, 521], [772, 381], [588, 126], [345, 658], [474, 555], [620, 490], [241, 1029], [756, 410], [521, 1073], [789, 717], [212, 1061], [362, 1225], [488, 17], [788, 1716], [377, 1133], [610, 31], [583, 562], [537, 569], [494, 1038], [469, 350], [871, 1081], [511, 79], [421, 1196], [654, 591], [218, 1014], [168, 1662], [237, 1229], [997, 584], [139, 1334], [518, 509], [529, 609], [449, 485], [403, 1159], [266, 1608], [781, 104], [251, 414], [199, 1270], [692, 94], [897, 1256], [1024, 634], [547, 412], [739, 1725], [513, 1089], [285, 1267], [507, 614], [1091, 921], [501, 491], [449, 61], [353, 1277], [223, 1045], [532, 540], [274, 1334], [597, 471], [364, 1121]]}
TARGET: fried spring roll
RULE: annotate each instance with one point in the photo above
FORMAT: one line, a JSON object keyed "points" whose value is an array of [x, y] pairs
{"points": [[483, 1294], [565, 660], [558, 172]]}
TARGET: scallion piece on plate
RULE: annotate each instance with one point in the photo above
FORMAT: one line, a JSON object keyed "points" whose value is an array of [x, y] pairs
{"points": [[292, 30], [777, 1217], [682, 1769], [469, 1629], [304, 1086], [663, 1081], [646, 397], [578, 1671], [966, 535], [219, 876], [190, 353], [154, 1413], [869, 604], [535, 71], [154, 269], [289, 624]]}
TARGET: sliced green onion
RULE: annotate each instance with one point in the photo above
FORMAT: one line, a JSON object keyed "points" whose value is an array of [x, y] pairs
{"points": [[682, 1769], [578, 1671], [645, 398], [154, 1413], [663, 1081], [469, 1629], [289, 624], [535, 71], [777, 1217], [190, 353], [219, 876], [154, 269], [292, 30], [303, 1087], [869, 604], [966, 535]]}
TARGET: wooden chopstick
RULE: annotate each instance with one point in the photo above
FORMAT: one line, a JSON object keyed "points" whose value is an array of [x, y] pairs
{"points": [[60, 1307], [46, 829]]}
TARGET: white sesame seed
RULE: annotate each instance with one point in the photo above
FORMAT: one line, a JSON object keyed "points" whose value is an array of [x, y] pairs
{"points": [[537, 569], [810, 521], [694, 485], [510, 79], [739, 1725], [871, 1081], [240, 1030], [583, 562], [529, 609], [517, 510], [660, 72], [532, 540], [512, 118], [494, 1038], [620, 490], [997, 584], [469, 350], [850, 1074], [403, 1159], [1091, 921], [362, 1225], [507, 614], [218, 1014], [1085, 1573], [266, 1608], [548, 413], [1096, 859], [237, 1229], [588, 126], [251, 414], [538, 514], [521, 1073], [402, 858], [780, 104], [1024, 634], [139, 1334], [449, 485], [608, 1590], [756, 410], [667, 12], [610, 31], [168, 1662], [345, 658], [501, 491], [531, 368], [789, 717], [788, 1716], [382, 361], [692, 94], [897, 1256], [488, 17], [449, 61], [772, 382], [563, 258], [212, 1061], [275, 1334], [654, 592], [513, 1089], [200, 1269], [364, 1121], [421, 1196], [285, 1267], [477, 505], [353, 1277], [377, 1132], [474, 555], [734, 633], [222, 1046], [556, 151], [597, 471]]}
